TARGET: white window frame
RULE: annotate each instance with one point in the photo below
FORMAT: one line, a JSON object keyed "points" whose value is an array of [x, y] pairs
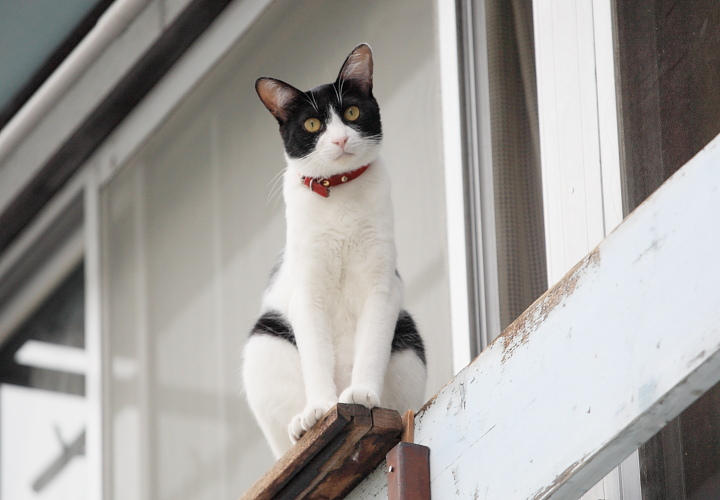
{"points": [[579, 153], [472, 246], [469, 177], [36, 286], [455, 201]]}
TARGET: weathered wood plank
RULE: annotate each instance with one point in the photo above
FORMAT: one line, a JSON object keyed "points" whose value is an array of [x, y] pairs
{"points": [[622, 344], [361, 455], [333, 457]]}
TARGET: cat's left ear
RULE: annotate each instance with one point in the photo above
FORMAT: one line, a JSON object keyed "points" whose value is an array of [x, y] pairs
{"points": [[358, 67]]}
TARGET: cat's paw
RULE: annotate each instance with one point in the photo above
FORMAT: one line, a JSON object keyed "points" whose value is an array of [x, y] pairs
{"points": [[303, 422], [360, 396]]}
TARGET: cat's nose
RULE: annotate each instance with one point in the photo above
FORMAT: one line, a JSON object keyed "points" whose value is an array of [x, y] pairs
{"points": [[340, 141]]}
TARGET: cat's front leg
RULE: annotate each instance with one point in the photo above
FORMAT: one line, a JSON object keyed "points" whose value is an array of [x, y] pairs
{"points": [[373, 345], [360, 395], [317, 359]]}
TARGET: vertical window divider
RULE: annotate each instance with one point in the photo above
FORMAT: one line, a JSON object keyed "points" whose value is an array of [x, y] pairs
{"points": [[96, 380], [146, 380], [482, 271], [455, 196]]}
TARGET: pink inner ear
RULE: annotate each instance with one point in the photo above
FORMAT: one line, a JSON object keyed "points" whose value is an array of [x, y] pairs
{"points": [[359, 67]]}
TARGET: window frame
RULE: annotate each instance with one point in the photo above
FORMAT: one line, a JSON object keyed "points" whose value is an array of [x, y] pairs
{"points": [[61, 237], [468, 183], [481, 271]]}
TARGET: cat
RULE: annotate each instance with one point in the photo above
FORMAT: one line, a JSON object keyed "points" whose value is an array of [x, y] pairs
{"points": [[332, 328]]}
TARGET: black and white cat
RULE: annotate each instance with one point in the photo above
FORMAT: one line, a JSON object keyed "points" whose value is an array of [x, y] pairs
{"points": [[332, 328]]}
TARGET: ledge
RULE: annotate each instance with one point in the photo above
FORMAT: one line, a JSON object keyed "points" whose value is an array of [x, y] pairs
{"points": [[333, 457]]}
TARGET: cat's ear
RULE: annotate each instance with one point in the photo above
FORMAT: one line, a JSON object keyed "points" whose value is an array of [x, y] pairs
{"points": [[358, 67], [277, 96]]}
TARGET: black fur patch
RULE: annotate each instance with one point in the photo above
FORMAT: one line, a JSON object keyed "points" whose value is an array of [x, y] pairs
{"points": [[273, 323], [316, 103], [407, 336]]}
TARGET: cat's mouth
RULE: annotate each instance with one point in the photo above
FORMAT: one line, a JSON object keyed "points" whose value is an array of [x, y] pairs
{"points": [[343, 155]]}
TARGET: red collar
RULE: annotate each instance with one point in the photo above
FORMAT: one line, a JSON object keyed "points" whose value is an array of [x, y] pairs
{"points": [[322, 185]]}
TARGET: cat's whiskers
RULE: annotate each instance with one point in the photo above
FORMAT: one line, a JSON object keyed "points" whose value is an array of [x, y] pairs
{"points": [[316, 165], [277, 176], [312, 166], [336, 88], [340, 92], [311, 100], [276, 187], [314, 102]]}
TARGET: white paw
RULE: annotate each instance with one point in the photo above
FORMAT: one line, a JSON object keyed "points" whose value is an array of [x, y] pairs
{"points": [[360, 396], [303, 422]]}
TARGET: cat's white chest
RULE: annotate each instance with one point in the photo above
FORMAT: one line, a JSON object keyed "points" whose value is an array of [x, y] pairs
{"points": [[338, 250]]}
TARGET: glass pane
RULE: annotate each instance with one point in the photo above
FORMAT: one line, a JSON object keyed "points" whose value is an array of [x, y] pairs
{"points": [[42, 404], [193, 224], [36, 36], [669, 70], [520, 232]]}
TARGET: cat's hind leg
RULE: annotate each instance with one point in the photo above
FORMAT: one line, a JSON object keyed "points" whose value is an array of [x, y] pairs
{"points": [[273, 385], [405, 379], [404, 387]]}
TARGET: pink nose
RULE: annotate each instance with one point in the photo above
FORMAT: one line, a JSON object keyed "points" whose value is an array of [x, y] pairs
{"points": [[340, 141]]}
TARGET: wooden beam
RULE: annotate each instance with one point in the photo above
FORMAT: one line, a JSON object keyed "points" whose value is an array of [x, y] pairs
{"points": [[408, 472], [333, 457], [596, 366]]}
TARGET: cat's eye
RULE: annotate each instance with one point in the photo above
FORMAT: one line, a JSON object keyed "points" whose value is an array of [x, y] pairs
{"points": [[352, 113], [312, 124]]}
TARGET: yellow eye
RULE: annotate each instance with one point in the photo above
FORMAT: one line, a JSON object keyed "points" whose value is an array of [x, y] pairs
{"points": [[352, 113], [312, 124]]}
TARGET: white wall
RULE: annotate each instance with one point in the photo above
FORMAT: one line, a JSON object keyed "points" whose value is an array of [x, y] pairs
{"points": [[190, 232]]}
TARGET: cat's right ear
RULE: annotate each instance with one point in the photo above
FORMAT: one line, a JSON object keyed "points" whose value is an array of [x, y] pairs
{"points": [[277, 96]]}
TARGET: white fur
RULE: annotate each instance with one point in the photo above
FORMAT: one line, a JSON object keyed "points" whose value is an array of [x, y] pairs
{"points": [[338, 288]]}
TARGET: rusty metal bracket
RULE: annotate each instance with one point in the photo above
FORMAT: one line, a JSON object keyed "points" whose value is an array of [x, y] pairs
{"points": [[408, 472]]}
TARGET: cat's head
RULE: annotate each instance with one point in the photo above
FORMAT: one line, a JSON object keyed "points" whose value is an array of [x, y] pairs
{"points": [[332, 128]]}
